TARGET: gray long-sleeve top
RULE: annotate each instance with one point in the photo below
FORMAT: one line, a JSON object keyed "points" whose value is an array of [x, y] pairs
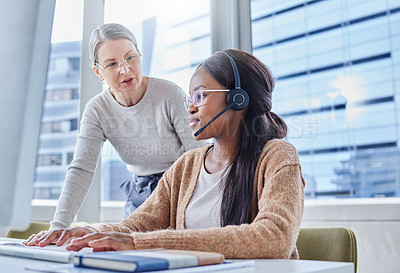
{"points": [[148, 137]]}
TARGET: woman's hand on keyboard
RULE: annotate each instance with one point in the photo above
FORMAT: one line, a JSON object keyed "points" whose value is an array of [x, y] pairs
{"points": [[103, 241], [58, 236]]}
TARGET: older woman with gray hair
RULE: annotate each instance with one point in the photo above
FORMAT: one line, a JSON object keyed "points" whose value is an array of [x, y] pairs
{"points": [[142, 117]]}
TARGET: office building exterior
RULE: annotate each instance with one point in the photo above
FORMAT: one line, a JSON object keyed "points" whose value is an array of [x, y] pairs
{"points": [[59, 125], [337, 70]]}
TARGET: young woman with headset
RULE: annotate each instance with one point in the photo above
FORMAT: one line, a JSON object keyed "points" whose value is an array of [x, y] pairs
{"points": [[243, 196]]}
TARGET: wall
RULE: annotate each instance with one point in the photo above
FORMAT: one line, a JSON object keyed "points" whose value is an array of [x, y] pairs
{"points": [[376, 223]]}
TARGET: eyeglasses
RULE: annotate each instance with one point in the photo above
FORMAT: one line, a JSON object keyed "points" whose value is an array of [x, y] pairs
{"points": [[197, 97], [115, 66]]}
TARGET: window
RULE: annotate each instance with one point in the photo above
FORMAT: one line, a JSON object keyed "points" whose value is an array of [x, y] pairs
{"points": [[59, 126], [74, 64], [70, 156], [61, 94], [49, 160], [61, 105], [173, 37], [337, 89]]}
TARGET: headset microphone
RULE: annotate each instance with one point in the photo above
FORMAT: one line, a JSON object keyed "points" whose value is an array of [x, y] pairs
{"points": [[237, 98], [214, 118]]}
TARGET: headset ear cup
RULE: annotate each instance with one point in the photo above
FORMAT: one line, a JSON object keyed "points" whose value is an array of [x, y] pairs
{"points": [[240, 97]]}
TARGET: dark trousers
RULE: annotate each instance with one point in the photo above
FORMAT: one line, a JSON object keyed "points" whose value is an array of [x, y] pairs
{"points": [[137, 189]]}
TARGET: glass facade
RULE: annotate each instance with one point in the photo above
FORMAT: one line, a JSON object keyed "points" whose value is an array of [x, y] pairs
{"points": [[337, 69], [59, 126]]}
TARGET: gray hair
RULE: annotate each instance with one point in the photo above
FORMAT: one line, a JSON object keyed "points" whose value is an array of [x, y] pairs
{"points": [[106, 32]]}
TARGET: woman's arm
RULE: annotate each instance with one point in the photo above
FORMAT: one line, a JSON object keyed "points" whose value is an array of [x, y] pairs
{"points": [[81, 171], [76, 185], [272, 234]]}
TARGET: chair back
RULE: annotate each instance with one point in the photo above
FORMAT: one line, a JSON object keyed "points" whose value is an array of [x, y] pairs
{"points": [[328, 244], [34, 228]]}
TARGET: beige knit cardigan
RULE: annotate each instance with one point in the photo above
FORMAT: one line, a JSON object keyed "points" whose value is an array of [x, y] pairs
{"points": [[276, 211]]}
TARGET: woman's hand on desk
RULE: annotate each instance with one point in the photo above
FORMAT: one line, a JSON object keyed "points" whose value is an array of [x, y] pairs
{"points": [[57, 237], [103, 241]]}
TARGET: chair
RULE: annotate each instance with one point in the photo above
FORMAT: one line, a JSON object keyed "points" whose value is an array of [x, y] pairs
{"points": [[328, 244], [34, 228]]}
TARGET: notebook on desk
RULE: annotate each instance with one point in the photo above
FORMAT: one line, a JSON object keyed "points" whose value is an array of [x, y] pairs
{"points": [[147, 260]]}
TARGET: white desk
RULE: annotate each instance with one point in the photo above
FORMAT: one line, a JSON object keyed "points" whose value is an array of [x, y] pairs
{"points": [[9, 264]]}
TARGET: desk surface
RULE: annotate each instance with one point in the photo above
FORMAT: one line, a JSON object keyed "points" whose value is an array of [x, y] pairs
{"points": [[12, 264], [18, 265]]}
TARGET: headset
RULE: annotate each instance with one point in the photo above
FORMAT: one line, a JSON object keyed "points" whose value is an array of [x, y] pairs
{"points": [[237, 98]]}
